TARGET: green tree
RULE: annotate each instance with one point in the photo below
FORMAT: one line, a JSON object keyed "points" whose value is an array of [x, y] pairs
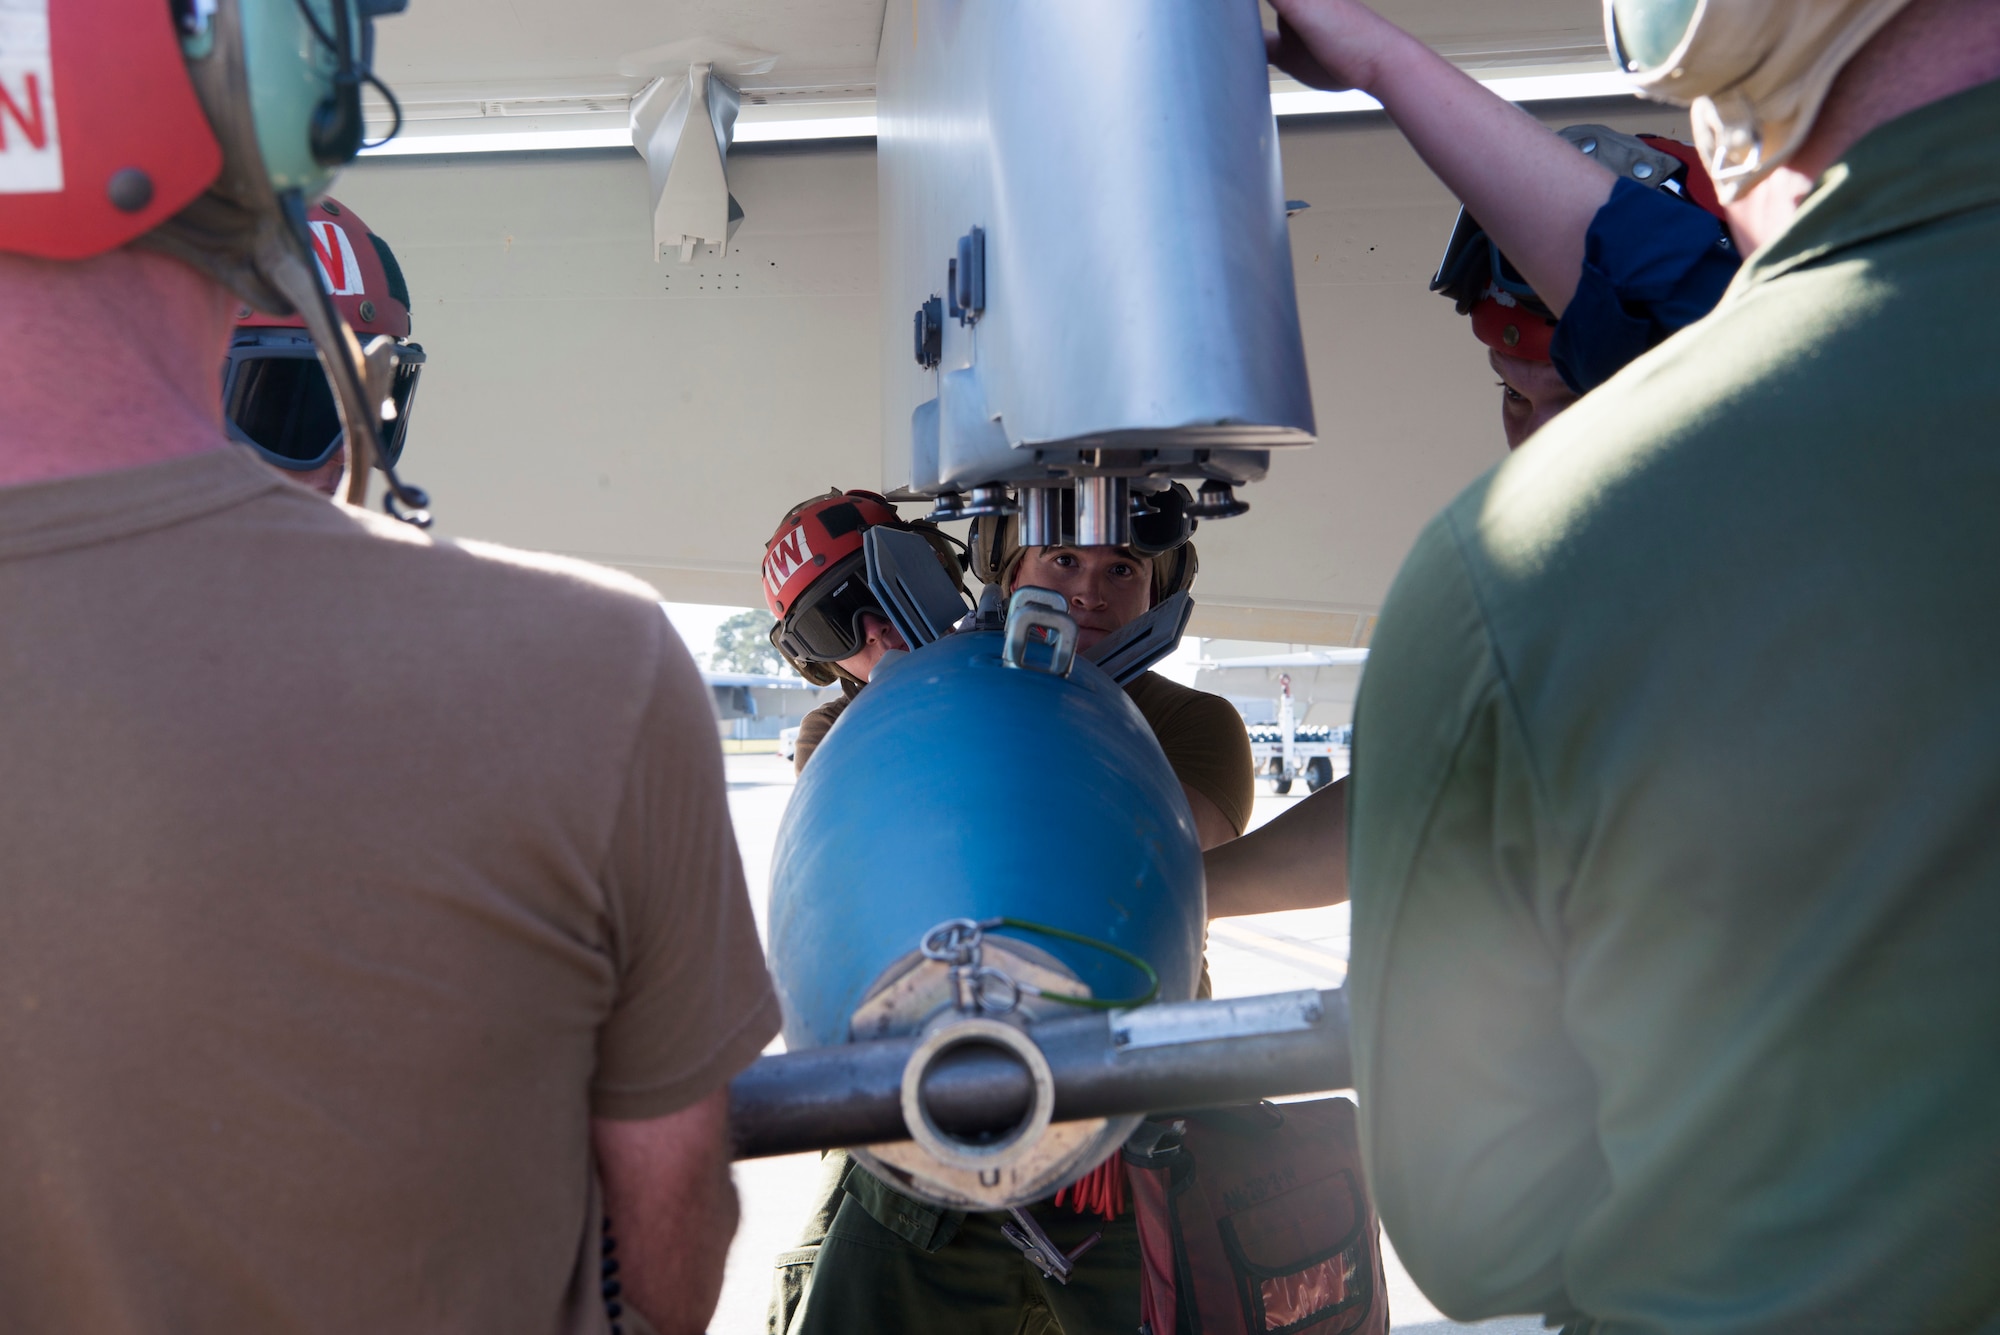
{"points": [[743, 644]]}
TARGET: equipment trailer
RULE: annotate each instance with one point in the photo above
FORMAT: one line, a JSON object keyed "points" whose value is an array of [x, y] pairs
{"points": [[1287, 751]]}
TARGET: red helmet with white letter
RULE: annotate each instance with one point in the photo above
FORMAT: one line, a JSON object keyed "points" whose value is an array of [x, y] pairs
{"points": [[816, 577], [276, 398], [203, 129], [102, 138], [818, 537]]}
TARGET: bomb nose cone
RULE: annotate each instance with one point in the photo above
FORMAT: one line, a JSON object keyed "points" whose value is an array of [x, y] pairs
{"points": [[971, 842], [958, 787]]}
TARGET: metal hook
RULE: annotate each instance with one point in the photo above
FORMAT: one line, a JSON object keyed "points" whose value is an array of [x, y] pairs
{"points": [[1044, 614], [954, 941], [983, 980]]}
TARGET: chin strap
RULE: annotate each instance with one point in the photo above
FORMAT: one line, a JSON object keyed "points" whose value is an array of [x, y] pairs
{"points": [[360, 379]]}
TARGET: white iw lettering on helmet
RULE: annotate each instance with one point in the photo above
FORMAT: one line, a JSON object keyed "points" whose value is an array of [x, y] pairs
{"points": [[338, 268], [788, 554], [30, 140]]}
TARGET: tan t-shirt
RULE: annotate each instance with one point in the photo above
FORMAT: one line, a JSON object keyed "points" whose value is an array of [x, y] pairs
{"points": [[1202, 735], [814, 727], [345, 874], [1205, 742]]}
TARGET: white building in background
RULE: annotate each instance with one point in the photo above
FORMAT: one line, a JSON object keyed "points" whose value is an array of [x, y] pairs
{"points": [[753, 706]]}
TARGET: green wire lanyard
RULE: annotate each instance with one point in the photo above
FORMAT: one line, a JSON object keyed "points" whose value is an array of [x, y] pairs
{"points": [[1086, 1003]]}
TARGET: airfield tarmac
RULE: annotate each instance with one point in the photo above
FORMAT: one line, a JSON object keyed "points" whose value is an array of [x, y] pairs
{"points": [[1273, 952]]}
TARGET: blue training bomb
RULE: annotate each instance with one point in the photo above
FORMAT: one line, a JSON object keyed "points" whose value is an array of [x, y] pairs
{"points": [[958, 787]]}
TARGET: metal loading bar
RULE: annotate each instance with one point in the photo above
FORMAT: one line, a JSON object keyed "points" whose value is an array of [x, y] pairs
{"points": [[1180, 1056]]}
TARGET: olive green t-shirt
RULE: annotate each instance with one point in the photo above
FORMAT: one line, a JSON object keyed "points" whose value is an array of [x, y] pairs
{"points": [[1202, 734], [345, 874], [1676, 809]]}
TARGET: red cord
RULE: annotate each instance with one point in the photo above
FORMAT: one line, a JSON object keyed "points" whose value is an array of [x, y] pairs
{"points": [[1101, 1191]]}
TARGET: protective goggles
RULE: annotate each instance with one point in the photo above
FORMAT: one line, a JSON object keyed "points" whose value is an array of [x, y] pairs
{"points": [[1473, 268], [824, 625], [1644, 34], [276, 399]]}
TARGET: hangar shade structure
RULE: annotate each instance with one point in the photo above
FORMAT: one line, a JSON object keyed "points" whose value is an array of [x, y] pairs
{"points": [[583, 397]]}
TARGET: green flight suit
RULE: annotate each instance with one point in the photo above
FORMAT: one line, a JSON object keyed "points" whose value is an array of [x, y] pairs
{"points": [[1675, 837], [969, 1280]]}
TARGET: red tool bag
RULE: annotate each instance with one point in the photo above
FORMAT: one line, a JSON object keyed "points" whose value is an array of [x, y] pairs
{"points": [[1254, 1220]]}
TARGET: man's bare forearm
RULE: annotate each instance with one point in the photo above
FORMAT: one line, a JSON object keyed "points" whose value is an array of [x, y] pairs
{"points": [[1533, 193], [1298, 861], [672, 1207]]}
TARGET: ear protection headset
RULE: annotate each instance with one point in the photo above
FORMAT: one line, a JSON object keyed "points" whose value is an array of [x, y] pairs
{"points": [[203, 129], [1163, 534], [335, 129], [1754, 72]]}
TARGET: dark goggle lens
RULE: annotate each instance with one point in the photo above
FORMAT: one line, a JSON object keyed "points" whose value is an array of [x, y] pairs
{"points": [[1473, 266], [826, 629], [1648, 32], [1452, 277], [281, 402], [284, 406]]}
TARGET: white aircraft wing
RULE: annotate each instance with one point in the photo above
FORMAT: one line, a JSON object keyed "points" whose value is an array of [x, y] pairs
{"points": [[1304, 659]]}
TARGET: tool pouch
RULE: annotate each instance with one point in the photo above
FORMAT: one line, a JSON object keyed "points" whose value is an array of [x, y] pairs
{"points": [[1253, 1220]]}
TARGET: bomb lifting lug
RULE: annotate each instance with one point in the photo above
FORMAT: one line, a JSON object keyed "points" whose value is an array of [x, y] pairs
{"points": [[976, 988], [1039, 616]]}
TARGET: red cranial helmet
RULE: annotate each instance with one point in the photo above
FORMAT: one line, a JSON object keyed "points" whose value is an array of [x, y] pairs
{"points": [[816, 577], [276, 396], [358, 271], [816, 539], [102, 137], [1694, 183], [1506, 313]]}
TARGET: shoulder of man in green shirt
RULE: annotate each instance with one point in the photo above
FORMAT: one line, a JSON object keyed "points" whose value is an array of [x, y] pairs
{"points": [[1672, 838]]}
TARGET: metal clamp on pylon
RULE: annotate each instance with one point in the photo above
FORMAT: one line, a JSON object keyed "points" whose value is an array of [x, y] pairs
{"points": [[1111, 1064]]}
